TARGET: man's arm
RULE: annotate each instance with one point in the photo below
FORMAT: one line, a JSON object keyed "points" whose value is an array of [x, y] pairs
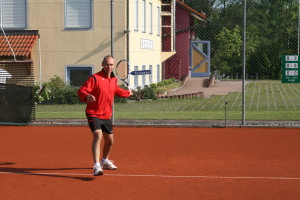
{"points": [[84, 92]]}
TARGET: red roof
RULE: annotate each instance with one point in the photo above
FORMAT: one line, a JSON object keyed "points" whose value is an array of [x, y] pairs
{"points": [[195, 12], [21, 43]]}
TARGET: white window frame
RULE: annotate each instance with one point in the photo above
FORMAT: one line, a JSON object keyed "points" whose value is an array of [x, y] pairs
{"points": [[136, 22], [68, 68], [13, 15], [136, 78], [144, 14], [158, 21], [158, 73], [143, 76], [150, 75], [150, 18], [71, 22]]}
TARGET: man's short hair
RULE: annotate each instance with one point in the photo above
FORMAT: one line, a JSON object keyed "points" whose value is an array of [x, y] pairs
{"points": [[106, 57]]}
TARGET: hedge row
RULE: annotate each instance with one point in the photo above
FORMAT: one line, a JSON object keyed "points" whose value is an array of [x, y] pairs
{"points": [[57, 92]]}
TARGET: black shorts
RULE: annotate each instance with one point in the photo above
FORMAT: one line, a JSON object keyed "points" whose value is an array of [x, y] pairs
{"points": [[104, 124]]}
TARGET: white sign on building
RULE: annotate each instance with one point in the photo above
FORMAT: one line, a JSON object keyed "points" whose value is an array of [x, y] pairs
{"points": [[147, 44]]}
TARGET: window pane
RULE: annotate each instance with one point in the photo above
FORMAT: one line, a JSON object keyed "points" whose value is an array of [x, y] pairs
{"points": [[144, 16], [150, 18], [136, 78], [150, 75], [158, 73], [144, 76], [14, 14], [158, 21], [136, 24], [78, 14], [76, 76]]}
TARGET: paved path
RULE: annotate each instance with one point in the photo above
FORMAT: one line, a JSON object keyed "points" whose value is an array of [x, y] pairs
{"points": [[195, 85]]}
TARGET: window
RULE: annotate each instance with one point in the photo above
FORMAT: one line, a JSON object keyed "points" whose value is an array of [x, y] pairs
{"points": [[144, 16], [150, 18], [136, 78], [13, 14], [150, 75], [77, 75], [78, 14], [144, 76], [158, 73], [158, 21], [136, 24]]}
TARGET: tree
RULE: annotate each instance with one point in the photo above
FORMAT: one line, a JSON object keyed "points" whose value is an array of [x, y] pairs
{"points": [[271, 32], [229, 51]]}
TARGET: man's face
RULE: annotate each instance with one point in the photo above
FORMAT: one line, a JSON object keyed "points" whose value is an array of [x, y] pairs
{"points": [[108, 65]]}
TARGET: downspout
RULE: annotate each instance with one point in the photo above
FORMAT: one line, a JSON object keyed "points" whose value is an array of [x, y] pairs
{"points": [[174, 26], [112, 46], [112, 27], [127, 29]]}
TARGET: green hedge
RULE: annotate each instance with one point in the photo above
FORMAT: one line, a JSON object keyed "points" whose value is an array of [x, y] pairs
{"points": [[57, 92]]}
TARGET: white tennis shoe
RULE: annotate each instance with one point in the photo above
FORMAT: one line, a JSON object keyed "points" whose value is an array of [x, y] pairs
{"points": [[98, 171], [108, 164]]}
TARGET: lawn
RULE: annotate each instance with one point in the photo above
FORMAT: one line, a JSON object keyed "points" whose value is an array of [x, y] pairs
{"points": [[264, 101]]}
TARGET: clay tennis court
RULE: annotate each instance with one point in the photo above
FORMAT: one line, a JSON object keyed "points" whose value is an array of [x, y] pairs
{"points": [[154, 163]]}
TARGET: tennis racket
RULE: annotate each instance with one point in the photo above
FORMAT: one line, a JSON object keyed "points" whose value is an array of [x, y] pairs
{"points": [[122, 70]]}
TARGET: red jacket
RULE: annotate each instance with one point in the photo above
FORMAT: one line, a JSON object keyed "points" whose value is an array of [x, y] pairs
{"points": [[103, 89]]}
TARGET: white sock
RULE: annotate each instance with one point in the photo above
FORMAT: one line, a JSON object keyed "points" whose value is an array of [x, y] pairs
{"points": [[104, 159], [97, 164]]}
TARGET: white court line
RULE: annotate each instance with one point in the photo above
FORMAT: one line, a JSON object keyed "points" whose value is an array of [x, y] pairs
{"points": [[160, 176]]}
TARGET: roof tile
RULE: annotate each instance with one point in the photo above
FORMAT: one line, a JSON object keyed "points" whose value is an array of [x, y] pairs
{"points": [[21, 42]]}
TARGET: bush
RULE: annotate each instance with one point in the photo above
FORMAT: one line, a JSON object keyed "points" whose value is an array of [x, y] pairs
{"points": [[137, 94], [166, 82], [57, 92], [148, 92], [40, 96], [66, 96]]}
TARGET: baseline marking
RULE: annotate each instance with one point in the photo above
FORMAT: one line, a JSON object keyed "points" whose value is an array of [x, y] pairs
{"points": [[161, 176]]}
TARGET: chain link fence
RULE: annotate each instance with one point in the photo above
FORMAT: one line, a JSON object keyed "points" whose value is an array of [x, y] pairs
{"points": [[193, 48]]}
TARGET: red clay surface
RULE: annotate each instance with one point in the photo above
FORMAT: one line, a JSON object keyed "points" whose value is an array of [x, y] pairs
{"points": [[154, 163]]}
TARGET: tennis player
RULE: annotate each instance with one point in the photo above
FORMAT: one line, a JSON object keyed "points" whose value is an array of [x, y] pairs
{"points": [[98, 92]]}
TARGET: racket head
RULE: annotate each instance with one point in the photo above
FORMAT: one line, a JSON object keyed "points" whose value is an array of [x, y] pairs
{"points": [[122, 70]]}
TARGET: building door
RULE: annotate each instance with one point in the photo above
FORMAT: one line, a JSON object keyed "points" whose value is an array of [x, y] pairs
{"points": [[200, 58]]}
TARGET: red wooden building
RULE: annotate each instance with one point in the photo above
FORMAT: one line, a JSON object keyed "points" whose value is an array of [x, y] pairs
{"points": [[178, 66]]}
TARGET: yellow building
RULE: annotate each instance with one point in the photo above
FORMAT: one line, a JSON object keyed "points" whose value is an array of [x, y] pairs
{"points": [[75, 35]]}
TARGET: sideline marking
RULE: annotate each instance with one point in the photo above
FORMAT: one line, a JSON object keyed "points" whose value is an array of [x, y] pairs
{"points": [[160, 176]]}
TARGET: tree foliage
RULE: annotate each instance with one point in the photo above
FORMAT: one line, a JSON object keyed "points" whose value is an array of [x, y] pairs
{"points": [[271, 31]]}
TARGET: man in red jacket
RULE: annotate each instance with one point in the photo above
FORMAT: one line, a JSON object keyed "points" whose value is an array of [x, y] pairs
{"points": [[98, 92]]}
